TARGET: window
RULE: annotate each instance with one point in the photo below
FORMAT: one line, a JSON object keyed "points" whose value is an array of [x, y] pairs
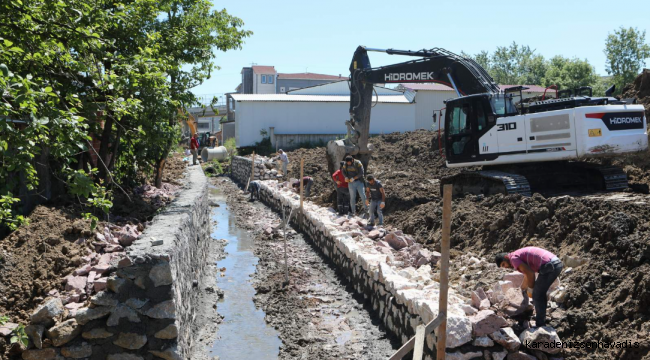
{"points": [[269, 79], [263, 79], [203, 126], [282, 89], [459, 120], [480, 117]]}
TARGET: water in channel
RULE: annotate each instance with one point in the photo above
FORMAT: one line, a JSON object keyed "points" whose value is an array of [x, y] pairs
{"points": [[243, 334]]}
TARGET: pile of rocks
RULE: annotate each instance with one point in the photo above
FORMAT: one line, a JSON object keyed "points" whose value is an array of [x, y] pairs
{"points": [[265, 168]]}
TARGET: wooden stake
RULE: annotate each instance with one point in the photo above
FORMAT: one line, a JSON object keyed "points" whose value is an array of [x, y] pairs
{"points": [[302, 164], [418, 351], [252, 172], [280, 167], [444, 271]]}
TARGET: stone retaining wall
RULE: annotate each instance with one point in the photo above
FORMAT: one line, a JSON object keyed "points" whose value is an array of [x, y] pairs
{"points": [[402, 296], [148, 307]]}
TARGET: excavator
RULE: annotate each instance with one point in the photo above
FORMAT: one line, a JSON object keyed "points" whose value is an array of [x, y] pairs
{"points": [[522, 147]]}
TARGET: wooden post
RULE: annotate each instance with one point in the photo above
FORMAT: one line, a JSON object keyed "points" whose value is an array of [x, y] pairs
{"points": [[302, 164], [418, 351], [280, 167], [252, 172], [444, 271]]}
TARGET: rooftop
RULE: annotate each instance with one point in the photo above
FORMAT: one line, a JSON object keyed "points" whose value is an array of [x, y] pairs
{"points": [[310, 76], [261, 69], [316, 98]]}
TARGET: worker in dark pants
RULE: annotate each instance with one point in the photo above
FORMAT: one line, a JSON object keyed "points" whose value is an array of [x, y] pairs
{"points": [[353, 172], [342, 192], [528, 261], [377, 198], [254, 188], [307, 182]]}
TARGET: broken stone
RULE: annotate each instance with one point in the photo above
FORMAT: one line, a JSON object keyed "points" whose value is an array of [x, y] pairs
{"points": [[170, 332], [7, 329], [515, 302], [122, 311], [81, 351], [124, 262], [97, 333], [73, 307], [486, 322], [396, 242], [130, 341], [459, 330], [101, 268], [520, 356], [136, 303], [84, 270], [163, 310], [483, 341], [480, 299], [124, 356], [86, 315], [161, 274], [100, 284], [468, 309], [64, 332], [506, 337], [544, 337], [167, 354], [128, 235], [35, 333], [515, 277], [45, 313], [499, 355], [115, 283], [374, 234], [104, 299], [540, 355], [45, 354], [457, 355]]}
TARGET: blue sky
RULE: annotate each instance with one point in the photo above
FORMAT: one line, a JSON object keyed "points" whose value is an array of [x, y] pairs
{"points": [[320, 37]]}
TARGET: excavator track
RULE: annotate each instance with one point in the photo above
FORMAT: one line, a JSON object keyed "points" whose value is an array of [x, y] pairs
{"points": [[549, 179]]}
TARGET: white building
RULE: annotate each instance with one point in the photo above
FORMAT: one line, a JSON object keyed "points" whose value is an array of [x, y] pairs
{"points": [[316, 114], [430, 98]]}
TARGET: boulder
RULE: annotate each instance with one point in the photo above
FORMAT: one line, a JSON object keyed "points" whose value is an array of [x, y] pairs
{"points": [[541, 338], [170, 332], [104, 298], [468, 309], [499, 355], [35, 334], [506, 337], [80, 351], [122, 311], [486, 322], [520, 356], [161, 274], [459, 330], [483, 341], [64, 332], [96, 333], [7, 329], [480, 299], [85, 315], [163, 310], [45, 354], [515, 302], [130, 341], [167, 354], [396, 242], [45, 313], [374, 234], [515, 277]]}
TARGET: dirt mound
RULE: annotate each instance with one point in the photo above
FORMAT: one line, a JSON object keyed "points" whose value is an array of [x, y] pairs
{"points": [[35, 258], [640, 90]]}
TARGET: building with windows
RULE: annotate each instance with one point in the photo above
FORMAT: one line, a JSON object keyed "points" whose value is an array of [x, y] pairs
{"points": [[288, 82], [259, 79]]}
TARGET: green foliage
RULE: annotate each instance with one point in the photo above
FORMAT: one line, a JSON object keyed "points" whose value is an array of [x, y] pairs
{"points": [[75, 70], [626, 51], [4, 320], [19, 336], [569, 73], [7, 217], [231, 145], [264, 147], [512, 65]]}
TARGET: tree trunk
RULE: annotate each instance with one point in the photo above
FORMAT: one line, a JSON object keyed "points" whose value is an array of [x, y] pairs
{"points": [[102, 161], [160, 167]]}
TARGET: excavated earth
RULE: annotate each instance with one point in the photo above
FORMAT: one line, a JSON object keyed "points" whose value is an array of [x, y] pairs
{"points": [[608, 296], [316, 317]]}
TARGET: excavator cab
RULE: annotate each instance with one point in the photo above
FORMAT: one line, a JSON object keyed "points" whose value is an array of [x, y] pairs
{"points": [[466, 120]]}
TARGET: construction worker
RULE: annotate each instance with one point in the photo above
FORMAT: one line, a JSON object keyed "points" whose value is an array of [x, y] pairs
{"points": [[342, 191], [528, 261], [353, 172], [194, 147], [307, 182], [375, 192], [282, 156], [254, 188]]}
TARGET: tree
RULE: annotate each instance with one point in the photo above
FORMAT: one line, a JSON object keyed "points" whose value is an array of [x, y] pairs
{"points": [[626, 52], [513, 65], [569, 73]]}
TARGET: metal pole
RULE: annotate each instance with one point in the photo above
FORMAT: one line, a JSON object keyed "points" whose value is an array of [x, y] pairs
{"points": [[444, 271], [252, 172]]}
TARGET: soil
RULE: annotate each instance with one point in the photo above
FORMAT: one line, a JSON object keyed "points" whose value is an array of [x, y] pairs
{"points": [[35, 258], [315, 315], [608, 298]]}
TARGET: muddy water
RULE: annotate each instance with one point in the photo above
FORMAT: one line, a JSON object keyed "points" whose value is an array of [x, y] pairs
{"points": [[243, 334]]}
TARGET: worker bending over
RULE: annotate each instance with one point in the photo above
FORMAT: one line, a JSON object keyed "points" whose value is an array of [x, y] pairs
{"points": [[353, 172], [254, 188], [375, 192], [194, 147], [306, 183], [282, 156], [342, 191], [528, 261]]}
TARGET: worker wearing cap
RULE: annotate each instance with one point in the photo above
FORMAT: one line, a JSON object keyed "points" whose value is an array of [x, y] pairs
{"points": [[375, 192], [353, 172], [194, 148], [307, 182], [528, 261], [282, 156], [342, 191]]}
